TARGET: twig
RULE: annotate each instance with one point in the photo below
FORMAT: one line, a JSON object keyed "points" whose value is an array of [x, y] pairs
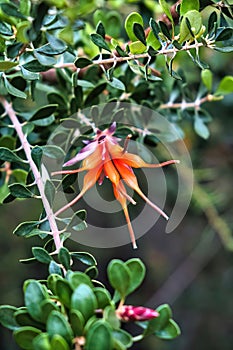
{"points": [[38, 179]]}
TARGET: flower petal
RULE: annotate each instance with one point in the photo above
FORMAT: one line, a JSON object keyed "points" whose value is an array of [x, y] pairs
{"points": [[85, 152]]}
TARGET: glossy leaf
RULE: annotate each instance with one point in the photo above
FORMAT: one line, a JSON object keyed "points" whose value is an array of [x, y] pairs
{"points": [[137, 273], [124, 338], [195, 20], [58, 324], [84, 300], [119, 276], [99, 337], [116, 83], [207, 78], [226, 86], [187, 5], [166, 9], [139, 32], [44, 112], [64, 292], [34, 295], [54, 152], [84, 257], [13, 90], [77, 278], [110, 317], [7, 317], [25, 229], [224, 34], [11, 9], [24, 337], [131, 19], [59, 343], [64, 257], [41, 255], [5, 29], [77, 322], [171, 331], [160, 322], [41, 342], [20, 191], [99, 41], [36, 154], [50, 191], [82, 62], [103, 297], [54, 268]]}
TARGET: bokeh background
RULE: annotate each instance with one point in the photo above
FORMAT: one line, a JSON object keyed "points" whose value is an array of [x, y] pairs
{"points": [[191, 269]]}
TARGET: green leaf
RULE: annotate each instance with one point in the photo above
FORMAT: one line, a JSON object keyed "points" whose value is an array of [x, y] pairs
{"points": [[20, 191], [34, 295], [29, 75], [11, 9], [25, 7], [84, 257], [226, 86], [195, 20], [24, 337], [44, 112], [41, 255], [137, 47], [132, 18], [187, 5], [64, 257], [224, 34], [139, 33], [99, 337], [119, 276], [9, 156], [166, 10], [165, 30], [116, 83], [82, 62], [25, 228], [99, 41], [52, 282], [50, 50], [41, 342], [103, 297], [12, 90], [36, 154], [155, 29], [111, 317], [23, 318], [159, 323], [171, 331], [50, 191], [200, 128], [137, 273], [84, 300], [54, 152], [6, 29], [77, 322], [59, 343], [100, 29], [124, 338], [4, 192], [45, 60], [35, 66], [212, 21], [77, 278], [5, 65], [45, 121], [207, 78], [58, 324], [7, 317], [64, 292], [54, 268], [47, 306], [94, 94]]}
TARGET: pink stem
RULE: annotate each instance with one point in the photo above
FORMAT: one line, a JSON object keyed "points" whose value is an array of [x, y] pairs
{"points": [[27, 150]]}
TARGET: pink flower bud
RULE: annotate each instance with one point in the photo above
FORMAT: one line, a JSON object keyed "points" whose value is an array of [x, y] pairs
{"points": [[136, 313]]}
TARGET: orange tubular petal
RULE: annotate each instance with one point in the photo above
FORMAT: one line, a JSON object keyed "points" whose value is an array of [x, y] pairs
{"points": [[89, 180], [131, 180], [111, 171], [121, 198]]}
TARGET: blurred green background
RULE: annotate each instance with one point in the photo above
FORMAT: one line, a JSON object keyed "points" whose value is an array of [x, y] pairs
{"points": [[191, 269]]}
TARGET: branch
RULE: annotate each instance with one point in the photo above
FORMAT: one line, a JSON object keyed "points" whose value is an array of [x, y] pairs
{"points": [[38, 179], [185, 105], [117, 59]]}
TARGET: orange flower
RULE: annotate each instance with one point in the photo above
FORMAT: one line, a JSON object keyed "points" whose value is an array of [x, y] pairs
{"points": [[104, 157]]}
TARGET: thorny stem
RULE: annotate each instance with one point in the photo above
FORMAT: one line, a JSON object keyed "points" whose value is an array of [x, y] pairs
{"points": [[116, 59], [185, 105], [38, 179]]}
